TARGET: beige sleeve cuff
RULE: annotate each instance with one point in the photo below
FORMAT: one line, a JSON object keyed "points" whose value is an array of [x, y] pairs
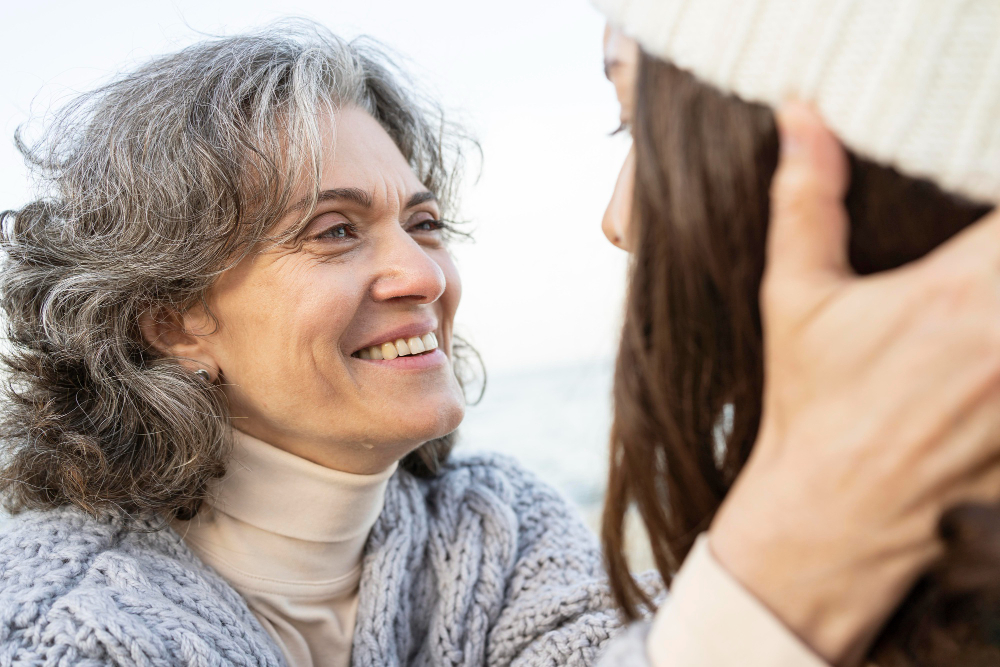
{"points": [[710, 620]]}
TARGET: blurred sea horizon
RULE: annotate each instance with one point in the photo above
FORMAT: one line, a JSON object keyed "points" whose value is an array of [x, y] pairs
{"points": [[555, 421]]}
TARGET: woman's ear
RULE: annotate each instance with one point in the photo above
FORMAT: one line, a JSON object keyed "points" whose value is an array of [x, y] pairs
{"points": [[179, 336]]}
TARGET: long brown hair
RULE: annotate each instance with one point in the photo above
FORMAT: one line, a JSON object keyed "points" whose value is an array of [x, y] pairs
{"points": [[689, 376]]}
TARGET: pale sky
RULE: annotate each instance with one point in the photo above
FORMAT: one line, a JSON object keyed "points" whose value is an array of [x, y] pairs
{"points": [[542, 286]]}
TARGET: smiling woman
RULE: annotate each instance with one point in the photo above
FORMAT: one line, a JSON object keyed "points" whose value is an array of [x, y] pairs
{"points": [[170, 178], [282, 328], [232, 354]]}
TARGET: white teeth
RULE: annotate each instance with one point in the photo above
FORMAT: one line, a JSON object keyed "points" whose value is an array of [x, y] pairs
{"points": [[400, 348]]}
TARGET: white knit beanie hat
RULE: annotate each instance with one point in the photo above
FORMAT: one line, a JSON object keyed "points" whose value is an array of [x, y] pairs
{"points": [[914, 84]]}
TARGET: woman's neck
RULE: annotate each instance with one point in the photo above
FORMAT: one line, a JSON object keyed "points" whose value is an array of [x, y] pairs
{"points": [[278, 516]]}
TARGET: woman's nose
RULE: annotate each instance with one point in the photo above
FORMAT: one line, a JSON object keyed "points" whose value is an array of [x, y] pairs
{"points": [[618, 215], [407, 271]]}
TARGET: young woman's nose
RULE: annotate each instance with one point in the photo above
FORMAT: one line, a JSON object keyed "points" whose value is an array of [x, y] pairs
{"points": [[618, 215], [407, 271]]}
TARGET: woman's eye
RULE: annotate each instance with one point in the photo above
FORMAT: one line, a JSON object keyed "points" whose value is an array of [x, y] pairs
{"points": [[428, 226], [341, 231]]}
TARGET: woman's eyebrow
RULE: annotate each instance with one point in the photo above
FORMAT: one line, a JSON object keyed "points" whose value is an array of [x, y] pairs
{"points": [[354, 195], [609, 65], [359, 197], [420, 198]]}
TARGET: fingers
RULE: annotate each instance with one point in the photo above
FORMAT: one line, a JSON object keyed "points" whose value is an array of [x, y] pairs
{"points": [[809, 229]]}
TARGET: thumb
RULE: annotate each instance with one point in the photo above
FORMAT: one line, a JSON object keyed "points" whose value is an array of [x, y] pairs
{"points": [[808, 230]]}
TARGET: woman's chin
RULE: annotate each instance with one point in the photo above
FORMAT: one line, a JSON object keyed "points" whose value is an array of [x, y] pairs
{"points": [[380, 425], [437, 421]]}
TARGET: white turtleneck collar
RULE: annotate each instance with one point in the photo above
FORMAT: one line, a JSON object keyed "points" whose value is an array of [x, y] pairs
{"points": [[288, 534], [287, 495]]}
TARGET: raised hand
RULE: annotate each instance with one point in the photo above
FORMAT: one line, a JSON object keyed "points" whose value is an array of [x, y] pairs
{"points": [[881, 408]]}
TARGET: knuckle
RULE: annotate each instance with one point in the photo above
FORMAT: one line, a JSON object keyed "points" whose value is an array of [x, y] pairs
{"points": [[958, 289], [789, 180], [962, 305], [794, 190], [789, 197]]}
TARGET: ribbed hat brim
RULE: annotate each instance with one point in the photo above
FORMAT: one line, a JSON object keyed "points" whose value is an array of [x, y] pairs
{"points": [[914, 84]]}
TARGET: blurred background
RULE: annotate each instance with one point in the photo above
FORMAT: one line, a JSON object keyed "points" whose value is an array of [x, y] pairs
{"points": [[543, 289]]}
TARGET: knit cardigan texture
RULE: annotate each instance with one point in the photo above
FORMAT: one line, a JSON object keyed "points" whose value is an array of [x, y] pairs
{"points": [[481, 566]]}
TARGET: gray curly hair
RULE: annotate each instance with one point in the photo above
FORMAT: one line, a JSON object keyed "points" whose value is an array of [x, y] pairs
{"points": [[156, 183]]}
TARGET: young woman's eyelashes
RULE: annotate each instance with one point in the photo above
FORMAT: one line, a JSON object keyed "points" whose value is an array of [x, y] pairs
{"points": [[623, 127]]}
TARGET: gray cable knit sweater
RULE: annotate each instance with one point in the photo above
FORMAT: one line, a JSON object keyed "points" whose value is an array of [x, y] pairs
{"points": [[483, 565]]}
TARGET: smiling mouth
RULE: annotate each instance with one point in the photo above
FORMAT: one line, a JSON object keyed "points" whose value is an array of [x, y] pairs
{"points": [[403, 347]]}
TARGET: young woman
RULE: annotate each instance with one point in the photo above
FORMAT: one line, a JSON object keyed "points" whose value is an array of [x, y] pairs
{"points": [[889, 380], [233, 380]]}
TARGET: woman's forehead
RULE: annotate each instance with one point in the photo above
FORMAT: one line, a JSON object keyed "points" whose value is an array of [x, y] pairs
{"points": [[620, 50], [356, 153], [361, 168], [357, 148]]}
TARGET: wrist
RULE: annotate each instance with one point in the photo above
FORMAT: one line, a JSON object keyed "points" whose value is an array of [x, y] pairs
{"points": [[821, 611], [833, 588]]}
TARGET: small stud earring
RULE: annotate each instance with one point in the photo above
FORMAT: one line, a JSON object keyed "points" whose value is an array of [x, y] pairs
{"points": [[203, 374]]}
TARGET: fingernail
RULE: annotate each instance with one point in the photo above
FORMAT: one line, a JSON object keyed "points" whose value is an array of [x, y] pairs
{"points": [[790, 145], [789, 121]]}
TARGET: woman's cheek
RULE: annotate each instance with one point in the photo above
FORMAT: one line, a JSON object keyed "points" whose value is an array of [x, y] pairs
{"points": [[449, 301]]}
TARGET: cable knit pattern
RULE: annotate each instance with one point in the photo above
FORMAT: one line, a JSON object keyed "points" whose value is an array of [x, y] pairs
{"points": [[495, 569], [483, 565], [628, 649], [75, 590]]}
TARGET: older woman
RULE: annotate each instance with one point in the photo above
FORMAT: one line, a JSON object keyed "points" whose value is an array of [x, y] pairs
{"points": [[231, 322]]}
